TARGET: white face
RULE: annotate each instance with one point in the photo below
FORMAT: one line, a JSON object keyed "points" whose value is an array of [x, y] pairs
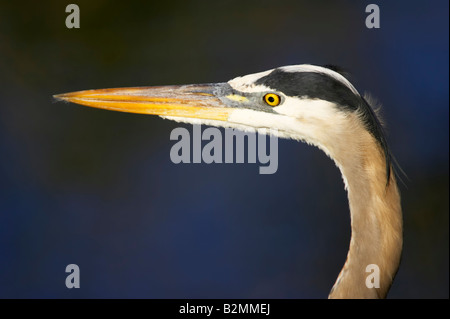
{"points": [[314, 121]]}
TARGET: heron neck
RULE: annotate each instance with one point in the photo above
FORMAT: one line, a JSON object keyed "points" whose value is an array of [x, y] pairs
{"points": [[376, 223]]}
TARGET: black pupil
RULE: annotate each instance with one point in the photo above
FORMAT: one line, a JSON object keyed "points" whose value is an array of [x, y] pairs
{"points": [[271, 99]]}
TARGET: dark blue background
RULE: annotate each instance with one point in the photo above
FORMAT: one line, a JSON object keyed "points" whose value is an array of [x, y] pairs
{"points": [[98, 189]]}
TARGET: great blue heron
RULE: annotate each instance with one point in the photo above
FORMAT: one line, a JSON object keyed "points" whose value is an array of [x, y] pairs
{"points": [[314, 104]]}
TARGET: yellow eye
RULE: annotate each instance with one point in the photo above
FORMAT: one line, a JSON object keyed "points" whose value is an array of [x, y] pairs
{"points": [[272, 99]]}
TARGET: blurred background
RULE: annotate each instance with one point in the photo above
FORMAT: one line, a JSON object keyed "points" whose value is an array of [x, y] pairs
{"points": [[98, 189]]}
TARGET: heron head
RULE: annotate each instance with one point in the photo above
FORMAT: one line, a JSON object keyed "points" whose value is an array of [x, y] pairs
{"points": [[303, 102]]}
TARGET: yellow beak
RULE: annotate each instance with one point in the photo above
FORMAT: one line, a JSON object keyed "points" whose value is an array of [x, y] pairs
{"points": [[189, 101]]}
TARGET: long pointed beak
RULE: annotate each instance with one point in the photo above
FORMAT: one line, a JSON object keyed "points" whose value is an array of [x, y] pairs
{"points": [[189, 101]]}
